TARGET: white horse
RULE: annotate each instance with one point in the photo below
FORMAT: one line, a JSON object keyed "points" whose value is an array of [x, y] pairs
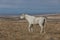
{"points": [[34, 20]]}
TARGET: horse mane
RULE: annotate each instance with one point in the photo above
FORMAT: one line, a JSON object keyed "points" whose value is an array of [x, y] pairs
{"points": [[25, 13]]}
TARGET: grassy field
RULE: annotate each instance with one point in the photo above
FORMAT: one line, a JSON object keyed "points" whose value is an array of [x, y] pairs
{"points": [[18, 30]]}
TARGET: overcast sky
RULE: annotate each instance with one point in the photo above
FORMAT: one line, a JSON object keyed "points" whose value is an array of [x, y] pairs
{"points": [[29, 6]]}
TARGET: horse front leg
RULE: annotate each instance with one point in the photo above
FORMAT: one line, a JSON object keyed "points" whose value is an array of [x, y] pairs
{"points": [[30, 27]]}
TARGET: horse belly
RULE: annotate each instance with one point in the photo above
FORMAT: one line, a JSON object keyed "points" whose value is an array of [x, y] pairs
{"points": [[36, 21]]}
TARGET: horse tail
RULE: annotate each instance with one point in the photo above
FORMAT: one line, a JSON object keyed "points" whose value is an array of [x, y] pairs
{"points": [[45, 25], [45, 21]]}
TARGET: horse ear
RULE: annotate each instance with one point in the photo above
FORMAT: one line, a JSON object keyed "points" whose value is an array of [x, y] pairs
{"points": [[23, 14]]}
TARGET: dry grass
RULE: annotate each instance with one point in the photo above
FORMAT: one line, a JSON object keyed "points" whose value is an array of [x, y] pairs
{"points": [[16, 30]]}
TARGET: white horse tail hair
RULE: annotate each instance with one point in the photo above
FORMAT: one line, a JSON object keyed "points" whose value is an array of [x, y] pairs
{"points": [[45, 25]]}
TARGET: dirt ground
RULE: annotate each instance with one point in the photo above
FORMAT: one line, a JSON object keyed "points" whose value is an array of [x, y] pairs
{"points": [[16, 30]]}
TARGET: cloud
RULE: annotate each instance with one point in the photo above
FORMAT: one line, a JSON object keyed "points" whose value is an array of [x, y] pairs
{"points": [[28, 3], [11, 3]]}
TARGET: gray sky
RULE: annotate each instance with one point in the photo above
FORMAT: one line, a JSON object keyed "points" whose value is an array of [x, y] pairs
{"points": [[29, 6]]}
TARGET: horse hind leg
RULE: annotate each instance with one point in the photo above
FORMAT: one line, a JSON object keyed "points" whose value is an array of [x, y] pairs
{"points": [[41, 28]]}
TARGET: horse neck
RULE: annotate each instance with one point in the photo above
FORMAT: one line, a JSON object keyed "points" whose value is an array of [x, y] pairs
{"points": [[27, 17]]}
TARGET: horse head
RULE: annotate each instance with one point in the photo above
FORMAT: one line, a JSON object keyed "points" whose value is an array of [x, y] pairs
{"points": [[22, 16]]}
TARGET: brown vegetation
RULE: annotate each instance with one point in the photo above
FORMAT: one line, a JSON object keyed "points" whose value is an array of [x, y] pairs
{"points": [[18, 30]]}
